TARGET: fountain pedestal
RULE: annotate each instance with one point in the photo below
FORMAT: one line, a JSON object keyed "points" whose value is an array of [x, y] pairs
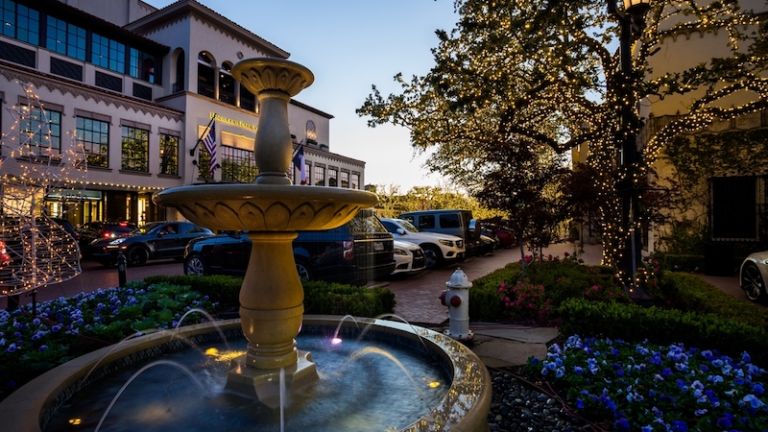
{"points": [[272, 211]]}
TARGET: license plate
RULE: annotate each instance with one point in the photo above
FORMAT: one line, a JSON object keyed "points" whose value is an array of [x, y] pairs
{"points": [[378, 246]]}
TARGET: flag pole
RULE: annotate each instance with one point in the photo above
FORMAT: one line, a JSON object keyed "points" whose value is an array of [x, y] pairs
{"points": [[200, 138]]}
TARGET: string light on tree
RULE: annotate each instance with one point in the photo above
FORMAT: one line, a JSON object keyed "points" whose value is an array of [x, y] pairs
{"points": [[40, 251]]}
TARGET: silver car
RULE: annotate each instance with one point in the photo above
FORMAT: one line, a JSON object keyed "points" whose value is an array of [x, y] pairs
{"points": [[753, 274]]}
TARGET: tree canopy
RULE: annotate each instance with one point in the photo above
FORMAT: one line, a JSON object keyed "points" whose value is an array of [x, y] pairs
{"points": [[546, 75]]}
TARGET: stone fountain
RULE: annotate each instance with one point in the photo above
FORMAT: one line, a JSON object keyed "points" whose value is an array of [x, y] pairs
{"points": [[271, 211]]}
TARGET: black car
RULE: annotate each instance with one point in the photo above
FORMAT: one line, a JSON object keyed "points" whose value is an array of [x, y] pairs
{"points": [[92, 234], [158, 240], [357, 252]]}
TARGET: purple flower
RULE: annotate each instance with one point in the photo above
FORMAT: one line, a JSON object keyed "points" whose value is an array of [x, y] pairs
{"points": [[753, 401], [579, 404], [621, 424], [758, 389], [11, 348], [43, 348], [679, 426]]}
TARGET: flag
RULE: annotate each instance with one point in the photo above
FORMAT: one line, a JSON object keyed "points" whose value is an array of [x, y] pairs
{"points": [[210, 144], [298, 162]]}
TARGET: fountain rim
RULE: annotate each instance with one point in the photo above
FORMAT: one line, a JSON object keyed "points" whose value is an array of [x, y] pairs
{"points": [[273, 62], [24, 408], [254, 191]]}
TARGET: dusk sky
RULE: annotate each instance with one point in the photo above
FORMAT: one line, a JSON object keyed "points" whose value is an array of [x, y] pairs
{"points": [[349, 45]]}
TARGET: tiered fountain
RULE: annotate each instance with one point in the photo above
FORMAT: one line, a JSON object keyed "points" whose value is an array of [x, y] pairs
{"points": [[272, 210]]}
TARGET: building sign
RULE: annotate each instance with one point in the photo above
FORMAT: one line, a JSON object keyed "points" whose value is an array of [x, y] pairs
{"points": [[73, 194], [236, 123]]}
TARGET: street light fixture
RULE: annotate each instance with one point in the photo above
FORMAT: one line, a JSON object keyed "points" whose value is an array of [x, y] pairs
{"points": [[632, 22]]}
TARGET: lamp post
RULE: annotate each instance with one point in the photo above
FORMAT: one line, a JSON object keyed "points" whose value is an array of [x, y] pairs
{"points": [[632, 21]]}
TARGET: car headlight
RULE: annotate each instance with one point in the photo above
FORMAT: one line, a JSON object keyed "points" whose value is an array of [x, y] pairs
{"points": [[764, 262], [446, 242], [400, 251], [117, 241]]}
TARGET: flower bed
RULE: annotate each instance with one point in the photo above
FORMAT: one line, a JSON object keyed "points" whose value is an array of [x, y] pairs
{"points": [[656, 388], [68, 327]]}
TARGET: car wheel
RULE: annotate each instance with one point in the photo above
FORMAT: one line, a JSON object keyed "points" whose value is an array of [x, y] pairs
{"points": [[303, 270], [752, 282], [137, 256], [194, 265], [432, 255]]}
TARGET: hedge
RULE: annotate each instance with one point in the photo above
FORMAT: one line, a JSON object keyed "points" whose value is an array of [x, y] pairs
{"points": [[319, 297], [636, 323], [688, 292]]}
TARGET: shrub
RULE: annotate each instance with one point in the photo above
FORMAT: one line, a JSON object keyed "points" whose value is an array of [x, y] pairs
{"points": [[526, 302], [484, 301], [560, 279], [636, 323], [688, 292], [340, 299], [320, 297], [681, 262], [222, 289]]}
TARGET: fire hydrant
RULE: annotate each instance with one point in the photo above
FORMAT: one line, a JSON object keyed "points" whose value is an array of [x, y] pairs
{"points": [[456, 297]]}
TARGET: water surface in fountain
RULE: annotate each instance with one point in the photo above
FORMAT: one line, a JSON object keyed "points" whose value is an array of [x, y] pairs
{"points": [[361, 388]]}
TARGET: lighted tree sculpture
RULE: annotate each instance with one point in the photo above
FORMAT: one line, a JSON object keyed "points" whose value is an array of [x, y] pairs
{"points": [[40, 252], [530, 72]]}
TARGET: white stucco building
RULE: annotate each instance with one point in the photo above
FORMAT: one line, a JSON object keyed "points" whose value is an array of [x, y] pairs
{"points": [[136, 87]]}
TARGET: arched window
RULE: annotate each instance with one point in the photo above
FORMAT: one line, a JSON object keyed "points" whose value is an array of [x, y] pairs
{"points": [[206, 74], [181, 64], [226, 84]]}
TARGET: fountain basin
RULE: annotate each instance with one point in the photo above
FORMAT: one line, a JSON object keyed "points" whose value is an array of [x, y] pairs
{"points": [[265, 207], [463, 407]]}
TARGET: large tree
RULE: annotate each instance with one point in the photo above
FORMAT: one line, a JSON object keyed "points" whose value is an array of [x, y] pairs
{"points": [[547, 73]]}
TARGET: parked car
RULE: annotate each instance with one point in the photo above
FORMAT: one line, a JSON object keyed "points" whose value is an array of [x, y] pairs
{"points": [[357, 252], [409, 258], [158, 240], [753, 276], [487, 245], [448, 221], [437, 247], [93, 232], [495, 228]]}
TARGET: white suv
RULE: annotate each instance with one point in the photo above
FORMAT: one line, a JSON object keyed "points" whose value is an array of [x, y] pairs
{"points": [[437, 247]]}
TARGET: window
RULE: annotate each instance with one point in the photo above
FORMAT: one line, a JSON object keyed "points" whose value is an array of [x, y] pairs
{"points": [[237, 165], [169, 155], [181, 65], [65, 38], [19, 22], [426, 222], [107, 53], [355, 181], [450, 221], [344, 179], [42, 129], [93, 135], [332, 177], [205, 75], [8, 11], [319, 176], [142, 66], [28, 25], [247, 99], [226, 84], [135, 154], [734, 208]]}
